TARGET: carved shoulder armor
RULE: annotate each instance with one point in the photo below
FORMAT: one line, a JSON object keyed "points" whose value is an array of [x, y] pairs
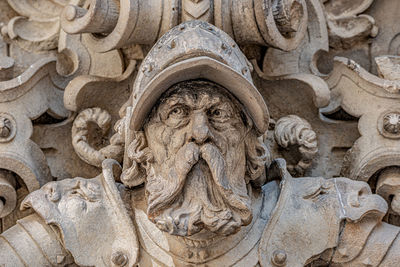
{"points": [[91, 218], [308, 217], [367, 243]]}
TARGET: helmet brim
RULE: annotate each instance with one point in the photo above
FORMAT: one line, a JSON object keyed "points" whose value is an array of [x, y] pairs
{"points": [[200, 68]]}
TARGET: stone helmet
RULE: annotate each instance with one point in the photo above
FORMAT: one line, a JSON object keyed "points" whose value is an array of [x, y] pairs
{"points": [[196, 50]]}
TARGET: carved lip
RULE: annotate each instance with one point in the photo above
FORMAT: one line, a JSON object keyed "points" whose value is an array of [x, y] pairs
{"points": [[201, 68]]}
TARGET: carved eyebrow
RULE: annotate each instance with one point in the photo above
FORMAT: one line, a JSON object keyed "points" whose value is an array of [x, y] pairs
{"points": [[205, 100], [196, 101], [173, 101], [223, 103]]}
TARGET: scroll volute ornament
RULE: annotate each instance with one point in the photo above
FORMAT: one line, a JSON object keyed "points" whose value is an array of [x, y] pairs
{"points": [[282, 23], [375, 101], [278, 23], [130, 22], [18, 153], [346, 26], [293, 131], [37, 27], [8, 194]]}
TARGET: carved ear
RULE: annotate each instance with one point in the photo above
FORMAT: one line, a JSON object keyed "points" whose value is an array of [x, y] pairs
{"points": [[125, 248]]}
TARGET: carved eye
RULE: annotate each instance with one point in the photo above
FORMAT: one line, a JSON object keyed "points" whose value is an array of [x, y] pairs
{"points": [[178, 112], [316, 195], [218, 114], [77, 193]]}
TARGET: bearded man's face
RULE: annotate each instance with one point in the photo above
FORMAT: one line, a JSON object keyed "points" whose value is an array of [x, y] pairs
{"points": [[197, 176]]}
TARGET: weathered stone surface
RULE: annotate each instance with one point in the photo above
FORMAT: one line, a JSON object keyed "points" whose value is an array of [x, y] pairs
{"points": [[199, 133]]}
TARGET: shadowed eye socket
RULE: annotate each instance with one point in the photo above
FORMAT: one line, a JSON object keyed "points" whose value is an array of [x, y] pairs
{"points": [[317, 194], [86, 190], [178, 112], [175, 116], [218, 114]]}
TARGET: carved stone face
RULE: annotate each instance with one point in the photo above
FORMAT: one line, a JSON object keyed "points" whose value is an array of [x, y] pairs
{"points": [[197, 178], [76, 199], [73, 205]]}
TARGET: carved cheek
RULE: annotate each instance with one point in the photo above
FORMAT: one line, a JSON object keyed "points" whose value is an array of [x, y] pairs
{"points": [[235, 136], [178, 137], [236, 161], [153, 133], [228, 136], [155, 136], [72, 207], [231, 144], [165, 141]]}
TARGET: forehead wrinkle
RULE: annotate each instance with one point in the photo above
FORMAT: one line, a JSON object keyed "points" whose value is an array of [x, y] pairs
{"points": [[206, 100], [177, 99], [196, 99]]}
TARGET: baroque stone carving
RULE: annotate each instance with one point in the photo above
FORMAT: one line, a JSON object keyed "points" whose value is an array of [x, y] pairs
{"points": [[372, 90], [369, 155], [18, 153], [37, 27], [199, 133], [281, 24], [345, 25], [295, 131]]}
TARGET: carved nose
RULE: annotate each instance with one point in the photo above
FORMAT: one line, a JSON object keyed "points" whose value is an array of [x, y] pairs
{"points": [[200, 130]]}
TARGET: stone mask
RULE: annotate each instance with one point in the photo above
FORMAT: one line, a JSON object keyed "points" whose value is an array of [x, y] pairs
{"points": [[90, 216]]}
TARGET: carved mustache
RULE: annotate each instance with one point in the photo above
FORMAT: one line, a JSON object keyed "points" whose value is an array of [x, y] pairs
{"points": [[216, 163], [186, 157]]}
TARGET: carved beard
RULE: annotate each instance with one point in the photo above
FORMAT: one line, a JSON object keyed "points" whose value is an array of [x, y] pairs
{"points": [[196, 193]]}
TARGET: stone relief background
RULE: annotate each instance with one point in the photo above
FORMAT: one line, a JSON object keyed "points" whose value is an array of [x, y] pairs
{"points": [[328, 71]]}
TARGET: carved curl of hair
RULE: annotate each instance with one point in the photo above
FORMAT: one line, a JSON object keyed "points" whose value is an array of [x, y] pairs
{"points": [[257, 158], [141, 156]]}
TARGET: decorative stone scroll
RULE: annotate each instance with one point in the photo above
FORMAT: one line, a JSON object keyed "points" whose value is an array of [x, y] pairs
{"points": [[377, 105], [281, 24], [18, 153], [167, 132]]}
